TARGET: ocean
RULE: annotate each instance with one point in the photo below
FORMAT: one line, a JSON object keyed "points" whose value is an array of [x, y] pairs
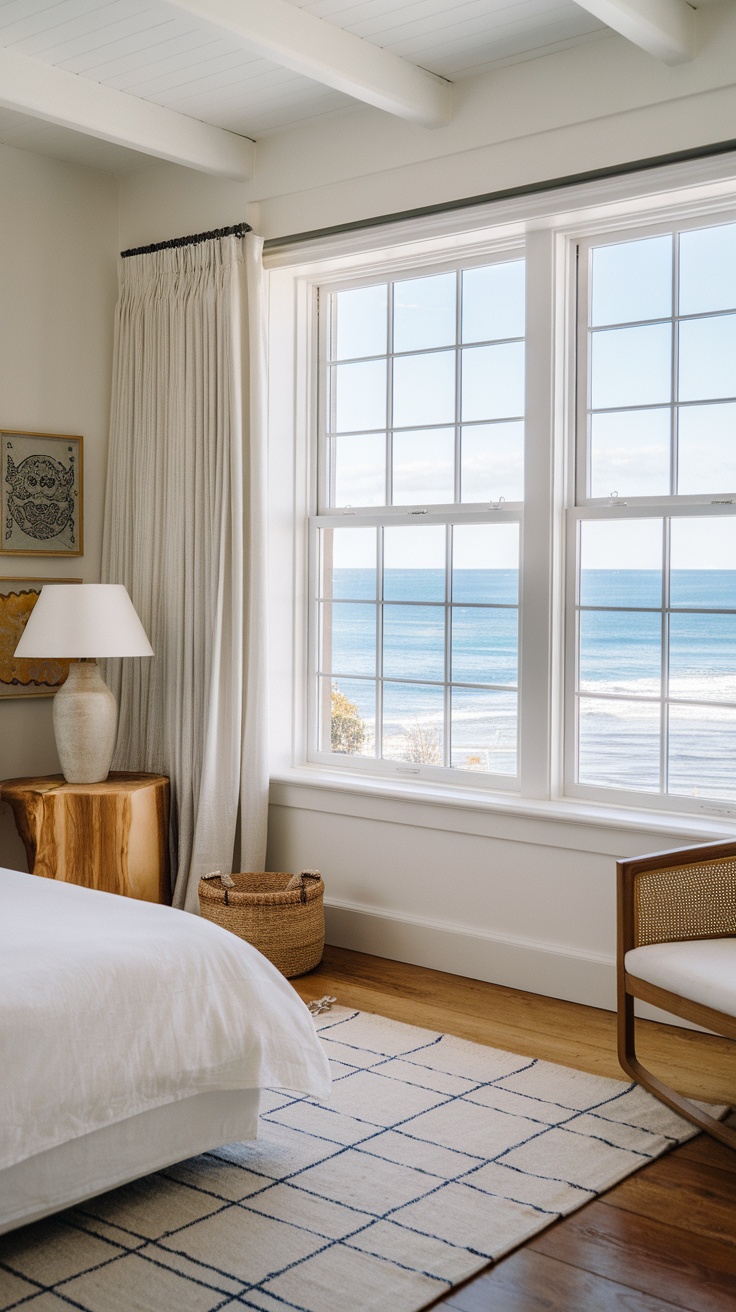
{"points": [[624, 740]]}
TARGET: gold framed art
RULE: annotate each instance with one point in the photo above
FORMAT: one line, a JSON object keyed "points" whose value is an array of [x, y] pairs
{"points": [[41, 484], [37, 677]]}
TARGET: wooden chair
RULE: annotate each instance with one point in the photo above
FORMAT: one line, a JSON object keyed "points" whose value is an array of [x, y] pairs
{"points": [[677, 950]]}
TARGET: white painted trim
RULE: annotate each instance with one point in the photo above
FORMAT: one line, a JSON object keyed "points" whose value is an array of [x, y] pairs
{"points": [[574, 975], [555, 972], [56, 96], [318, 50], [570, 825], [664, 28]]}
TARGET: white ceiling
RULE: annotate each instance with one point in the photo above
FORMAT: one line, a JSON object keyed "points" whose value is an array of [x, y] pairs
{"points": [[161, 54]]}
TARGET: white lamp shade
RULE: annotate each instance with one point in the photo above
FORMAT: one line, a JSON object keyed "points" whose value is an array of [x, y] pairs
{"points": [[96, 619]]}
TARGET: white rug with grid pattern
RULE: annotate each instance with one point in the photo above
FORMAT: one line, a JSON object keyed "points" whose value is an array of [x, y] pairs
{"points": [[434, 1157]]}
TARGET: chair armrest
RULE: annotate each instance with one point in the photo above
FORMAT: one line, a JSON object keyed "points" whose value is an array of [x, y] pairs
{"points": [[682, 894]]}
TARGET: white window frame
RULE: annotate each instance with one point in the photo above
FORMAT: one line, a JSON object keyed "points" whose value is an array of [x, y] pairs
{"points": [[583, 507], [450, 513], [551, 224]]}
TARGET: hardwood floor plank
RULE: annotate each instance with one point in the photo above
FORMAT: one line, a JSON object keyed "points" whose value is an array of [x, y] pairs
{"points": [[685, 1269], [700, 1200], [531, 1282], [700, 1065]]}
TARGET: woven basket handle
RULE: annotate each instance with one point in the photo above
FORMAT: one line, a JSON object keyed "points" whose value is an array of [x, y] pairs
{"points": [[226, 880], [300, 881]]}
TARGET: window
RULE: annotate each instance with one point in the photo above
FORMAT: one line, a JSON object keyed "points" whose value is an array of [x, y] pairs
{"points": [[417, 539], [523, 536], [654, 531]]}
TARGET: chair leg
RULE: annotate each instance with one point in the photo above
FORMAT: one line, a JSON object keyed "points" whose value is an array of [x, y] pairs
{"points": [[633, 1067]]}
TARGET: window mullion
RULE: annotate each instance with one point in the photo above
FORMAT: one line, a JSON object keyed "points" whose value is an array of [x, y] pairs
{"points": [[538, 529]]}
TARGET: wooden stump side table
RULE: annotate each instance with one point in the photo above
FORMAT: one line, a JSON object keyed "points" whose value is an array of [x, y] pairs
{"points": [[111, 836]]}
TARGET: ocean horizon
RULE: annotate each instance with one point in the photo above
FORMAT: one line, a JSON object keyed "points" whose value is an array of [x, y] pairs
{"points": [[627, 655]]}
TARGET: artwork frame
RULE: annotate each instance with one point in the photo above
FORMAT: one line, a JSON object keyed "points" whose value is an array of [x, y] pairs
{"points": [[41, 494], [32, 677]]}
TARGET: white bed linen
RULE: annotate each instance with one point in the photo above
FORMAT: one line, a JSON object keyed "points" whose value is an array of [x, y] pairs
{"points": [[110, 1007], [127, 1150]]}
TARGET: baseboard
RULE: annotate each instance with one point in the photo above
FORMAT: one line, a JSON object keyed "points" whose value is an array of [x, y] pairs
{"points": [[534, 967], [519, 964]]}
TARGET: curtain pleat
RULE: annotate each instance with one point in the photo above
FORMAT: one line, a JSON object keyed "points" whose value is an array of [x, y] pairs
{"points": [[185, 531]]}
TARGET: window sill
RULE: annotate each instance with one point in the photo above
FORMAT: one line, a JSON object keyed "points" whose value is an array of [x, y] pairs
{"points": [[495, 814]]}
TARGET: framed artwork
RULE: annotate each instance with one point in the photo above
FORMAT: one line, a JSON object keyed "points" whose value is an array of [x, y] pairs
{"points": [[40, 494], [37, 677]]}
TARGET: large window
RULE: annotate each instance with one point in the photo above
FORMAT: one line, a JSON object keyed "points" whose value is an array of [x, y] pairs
{"points": [[523, 546], [654, 703], [417, 540]]}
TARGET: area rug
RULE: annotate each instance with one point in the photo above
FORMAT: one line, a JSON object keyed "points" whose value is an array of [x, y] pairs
{"points": [[434, 1157]]}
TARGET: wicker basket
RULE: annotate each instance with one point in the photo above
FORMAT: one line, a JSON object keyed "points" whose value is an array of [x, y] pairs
{"points": [[286, 924]]}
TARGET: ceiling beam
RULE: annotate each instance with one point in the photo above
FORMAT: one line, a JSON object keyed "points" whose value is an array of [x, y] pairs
{"points": [[52, 94], [288, 36], [664, 28]]}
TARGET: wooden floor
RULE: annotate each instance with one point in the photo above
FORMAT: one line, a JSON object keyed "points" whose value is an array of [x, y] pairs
{"points": [[662, 1240]]}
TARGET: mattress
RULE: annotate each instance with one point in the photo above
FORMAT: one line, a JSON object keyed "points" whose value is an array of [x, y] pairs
{"points": [[111, 1008]]}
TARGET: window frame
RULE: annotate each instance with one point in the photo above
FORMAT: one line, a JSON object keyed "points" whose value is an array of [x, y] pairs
{"points": [[550, 223], [498, 251], [670, 506]]}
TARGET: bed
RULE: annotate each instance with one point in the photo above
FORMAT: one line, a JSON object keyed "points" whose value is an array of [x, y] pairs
{"points": [[131, 1036]]}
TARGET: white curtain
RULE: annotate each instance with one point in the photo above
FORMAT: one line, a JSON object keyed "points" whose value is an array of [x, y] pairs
{"points": [[185, 532]]}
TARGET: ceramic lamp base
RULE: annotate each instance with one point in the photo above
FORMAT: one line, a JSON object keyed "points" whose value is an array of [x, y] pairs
{"points": [[85, 724]]}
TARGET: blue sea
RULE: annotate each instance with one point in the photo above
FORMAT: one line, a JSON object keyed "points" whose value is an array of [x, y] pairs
{"points": [[620, 656]]}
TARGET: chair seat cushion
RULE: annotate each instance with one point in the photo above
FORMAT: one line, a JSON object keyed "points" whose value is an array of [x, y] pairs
{"points": [[703, 970]]}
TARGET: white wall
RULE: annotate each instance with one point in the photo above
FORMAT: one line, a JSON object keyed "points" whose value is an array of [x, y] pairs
{"points": [[58, 241]]}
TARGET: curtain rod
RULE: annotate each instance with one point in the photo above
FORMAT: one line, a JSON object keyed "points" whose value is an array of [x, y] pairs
{"points": [[509, 193], [237, 230]]}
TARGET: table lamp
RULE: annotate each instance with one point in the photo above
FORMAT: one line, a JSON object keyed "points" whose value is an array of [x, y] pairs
{"points": [[80, 624]]}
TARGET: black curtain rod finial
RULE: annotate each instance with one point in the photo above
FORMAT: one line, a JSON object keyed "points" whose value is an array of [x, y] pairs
{"points": [[237, 230]]}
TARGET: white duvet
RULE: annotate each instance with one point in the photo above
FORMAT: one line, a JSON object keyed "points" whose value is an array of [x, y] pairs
{"points": [[110, 1007]]}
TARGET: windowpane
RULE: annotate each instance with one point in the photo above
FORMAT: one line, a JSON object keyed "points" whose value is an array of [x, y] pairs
{"points": [[493, 302], [631, 366], [706, 460], [424, 389], [349, 563], [424, 467], [621, 562], [413, 724], [619, 744], [414, 642], [414, 563], [493, 381], [621, 653], [703, 657], [708, 269], [361, 322], [485, 563], [632, 281], [360, 396], [485, 645], [424, 312], [360, 469], [484, 731], [392, 619], [703, 553], [492, 462], [347, 716], [348, 638], [708, 358], [702, 751], [630, 453]]}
